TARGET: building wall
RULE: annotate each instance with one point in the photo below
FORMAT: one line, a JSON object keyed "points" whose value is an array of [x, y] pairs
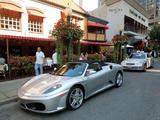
{"points": [[115, 16], [126, 8], [52, 15]]}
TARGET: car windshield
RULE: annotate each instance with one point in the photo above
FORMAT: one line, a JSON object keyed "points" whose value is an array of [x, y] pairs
{"points": [[138, 56], [71, 69]]}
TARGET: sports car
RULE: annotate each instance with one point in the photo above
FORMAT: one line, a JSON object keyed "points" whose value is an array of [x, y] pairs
{"points": [[138, 61], [69, 86]]}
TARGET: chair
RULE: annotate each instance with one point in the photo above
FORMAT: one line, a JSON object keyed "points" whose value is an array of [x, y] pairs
{"points": [[3, 70]]}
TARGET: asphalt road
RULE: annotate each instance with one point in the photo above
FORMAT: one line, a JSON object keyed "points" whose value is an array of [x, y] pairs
{"points": [[137, 99]]}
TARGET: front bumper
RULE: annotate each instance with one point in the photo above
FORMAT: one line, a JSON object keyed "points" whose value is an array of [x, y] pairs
{"points": [[133, 67], [47, 105]]}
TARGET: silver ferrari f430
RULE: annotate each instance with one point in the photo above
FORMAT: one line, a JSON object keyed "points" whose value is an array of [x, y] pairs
{"points": [[69, 86]]}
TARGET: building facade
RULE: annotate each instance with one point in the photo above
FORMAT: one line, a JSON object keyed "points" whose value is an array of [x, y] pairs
{"points": [[153, 9], [125, 13], [28, 24]]}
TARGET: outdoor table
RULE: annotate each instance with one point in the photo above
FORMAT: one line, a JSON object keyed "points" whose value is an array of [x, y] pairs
{"points": [[49, 62]]}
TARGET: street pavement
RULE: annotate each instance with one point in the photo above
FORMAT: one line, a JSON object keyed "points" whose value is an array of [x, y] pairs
{"points": [[8, 89], [137, 99]]}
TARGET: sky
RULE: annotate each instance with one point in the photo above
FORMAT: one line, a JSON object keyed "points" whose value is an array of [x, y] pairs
{"points": [[88, 5]]}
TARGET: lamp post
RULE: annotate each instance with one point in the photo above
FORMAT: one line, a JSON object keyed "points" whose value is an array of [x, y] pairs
{"points": [[120, 33], [68, 13]]}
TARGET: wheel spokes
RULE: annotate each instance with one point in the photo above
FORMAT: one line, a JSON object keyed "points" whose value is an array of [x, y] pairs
{"points": [[76, 98]]}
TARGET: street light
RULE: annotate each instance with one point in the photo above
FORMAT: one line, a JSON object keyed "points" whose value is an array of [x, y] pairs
{"points": [[68, 13], [120, 29], [120, 33]]}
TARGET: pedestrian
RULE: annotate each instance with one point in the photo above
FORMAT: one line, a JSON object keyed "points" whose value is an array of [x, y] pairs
{"points": [[102, 57], [54, 58], [40, 61], [129, 52], [86, 56], [138, 51], [82, 57]]}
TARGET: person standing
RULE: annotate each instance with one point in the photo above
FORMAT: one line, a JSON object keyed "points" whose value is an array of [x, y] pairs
{"points": [[82, 57], [40, 60], [86, 56], [54, 58]]}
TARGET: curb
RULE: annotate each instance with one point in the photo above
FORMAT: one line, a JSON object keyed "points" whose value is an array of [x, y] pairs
{"points": [[9, 100]]}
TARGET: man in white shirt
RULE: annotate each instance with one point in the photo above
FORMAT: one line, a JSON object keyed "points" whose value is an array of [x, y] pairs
{"points": [[54, 58], [40, 58]]}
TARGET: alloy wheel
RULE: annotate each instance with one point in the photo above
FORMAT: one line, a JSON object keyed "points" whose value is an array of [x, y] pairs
{"points": [[119, 80], [76, 98]]}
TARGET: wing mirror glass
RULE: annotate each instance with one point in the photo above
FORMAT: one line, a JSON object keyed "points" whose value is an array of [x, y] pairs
{"points": [[111, 67], [90, 72]]}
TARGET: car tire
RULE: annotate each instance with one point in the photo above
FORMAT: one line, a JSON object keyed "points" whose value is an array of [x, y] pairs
{"points": [[119, 79], [75, 98]]}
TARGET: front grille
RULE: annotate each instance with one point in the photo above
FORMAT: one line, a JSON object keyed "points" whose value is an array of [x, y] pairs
{"points": [[22, 105], [130, 63], [36, 106]]}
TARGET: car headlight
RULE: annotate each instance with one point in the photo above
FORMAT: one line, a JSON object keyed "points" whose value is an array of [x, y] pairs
{"points": [[53, 88], [123, 63]]}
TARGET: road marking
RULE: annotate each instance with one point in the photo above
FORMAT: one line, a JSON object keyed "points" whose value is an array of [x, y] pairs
{"points": [[153, 70], [138, 91]]}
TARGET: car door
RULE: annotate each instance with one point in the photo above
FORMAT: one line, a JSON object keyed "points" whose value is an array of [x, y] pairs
{"points": [[95, 80], [110, 74]]}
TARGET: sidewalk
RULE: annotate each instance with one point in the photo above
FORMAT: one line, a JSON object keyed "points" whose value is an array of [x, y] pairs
{"points": [[8, 90]]}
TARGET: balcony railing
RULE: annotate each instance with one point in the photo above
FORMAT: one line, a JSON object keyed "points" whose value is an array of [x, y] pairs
{"points": [[134, 29], [98, 37], [91, 36]]}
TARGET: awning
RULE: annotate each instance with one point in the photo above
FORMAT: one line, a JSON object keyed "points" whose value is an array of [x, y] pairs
{"points": [[98, 25], [35, 13], [96, 43], [27, 38], [141, 45], [10, 6]]}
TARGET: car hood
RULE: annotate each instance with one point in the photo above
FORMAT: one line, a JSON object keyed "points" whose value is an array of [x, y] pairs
{"points": [[39, 84], [134, 60]]}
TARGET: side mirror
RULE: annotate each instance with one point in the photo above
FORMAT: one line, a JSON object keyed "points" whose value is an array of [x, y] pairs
{"points": [[111, 67], [90, 72]]}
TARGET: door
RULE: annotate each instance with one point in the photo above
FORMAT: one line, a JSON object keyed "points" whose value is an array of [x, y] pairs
{"points": [[94, 78]]}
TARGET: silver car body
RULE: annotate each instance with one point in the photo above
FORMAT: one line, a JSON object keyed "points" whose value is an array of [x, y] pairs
{"points": [[138, 64], [31, 93]]}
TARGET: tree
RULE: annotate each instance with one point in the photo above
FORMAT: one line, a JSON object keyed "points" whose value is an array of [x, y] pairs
{"points": [[155, 37], [118, 41], [67, 36]]}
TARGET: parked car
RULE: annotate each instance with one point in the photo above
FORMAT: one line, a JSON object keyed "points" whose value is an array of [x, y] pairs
{"points": [[69, 86], [138, 61]]}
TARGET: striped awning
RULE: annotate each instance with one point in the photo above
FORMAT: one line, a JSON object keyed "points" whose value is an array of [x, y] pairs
{"points": [[26, 38], [97, 25]]}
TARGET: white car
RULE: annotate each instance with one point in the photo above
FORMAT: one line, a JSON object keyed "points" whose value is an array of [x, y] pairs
{"points": [[138, 61]]}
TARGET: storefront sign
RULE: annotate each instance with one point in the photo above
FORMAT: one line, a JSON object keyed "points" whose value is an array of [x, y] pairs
{"points": [[136, 15], [115, 10]]}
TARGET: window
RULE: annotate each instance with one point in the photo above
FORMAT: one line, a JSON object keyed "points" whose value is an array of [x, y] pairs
{"points": [[76, 21], [35, 26], [91, 29], [10, 23], [100, 30]]}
